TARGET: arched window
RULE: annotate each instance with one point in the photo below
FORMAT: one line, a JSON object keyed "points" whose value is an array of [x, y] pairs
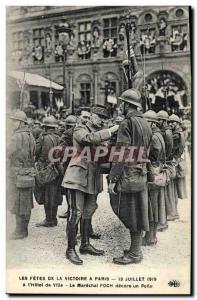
{"points": [[166, 90]]}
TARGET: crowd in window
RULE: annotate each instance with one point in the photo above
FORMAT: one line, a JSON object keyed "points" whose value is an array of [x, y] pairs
{"points": [[106, 38]]}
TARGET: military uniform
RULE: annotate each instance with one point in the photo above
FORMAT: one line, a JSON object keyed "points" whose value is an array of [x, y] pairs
{"points": [[83, 181], [157, 208], [177, 151], [21, 155], [168, 139], [50, 193], [131, 208]]}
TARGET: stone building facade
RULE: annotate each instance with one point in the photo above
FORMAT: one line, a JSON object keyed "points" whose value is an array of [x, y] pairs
{"points": [[96, 48]]}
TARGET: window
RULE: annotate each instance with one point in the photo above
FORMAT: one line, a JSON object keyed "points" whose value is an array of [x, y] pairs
{"points": [[85, 91], [85, 31], [110, 28], [179, 13], [148, 18], [110, 31], [147, 41], [38, 37], [179, 38], [17, 39]]}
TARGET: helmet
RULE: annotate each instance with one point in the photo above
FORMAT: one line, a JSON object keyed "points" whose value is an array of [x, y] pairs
{"points": [[50, 121], [174, 118], [20, 116], [71, 120], [131, 96], [150, 115], [162, 115]]}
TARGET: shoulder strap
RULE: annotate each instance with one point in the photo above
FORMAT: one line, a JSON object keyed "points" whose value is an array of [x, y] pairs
{"points": [[161, 145], [140, 126]]}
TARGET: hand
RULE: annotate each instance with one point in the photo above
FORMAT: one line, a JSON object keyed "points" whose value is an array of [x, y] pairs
{"points": [[114, 128], [111, 188]]}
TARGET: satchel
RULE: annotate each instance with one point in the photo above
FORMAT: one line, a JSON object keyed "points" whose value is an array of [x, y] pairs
{"points": [[46, 175], [133, 180], [172, 170], [162, 177], [180, 169], [150, 172], [25, 181], [25, 178]]}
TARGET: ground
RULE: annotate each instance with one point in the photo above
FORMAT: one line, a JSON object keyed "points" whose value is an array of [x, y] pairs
{"points": [[45, 247]]}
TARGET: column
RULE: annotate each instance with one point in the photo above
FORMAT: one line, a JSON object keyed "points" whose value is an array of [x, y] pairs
{"points": [[39, 99], [71, 98], [95, 85]]}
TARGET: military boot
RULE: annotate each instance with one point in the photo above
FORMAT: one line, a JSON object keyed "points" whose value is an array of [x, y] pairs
{"points": [[93, 235], [86, 247], [19, 231], [54, 216], [71, 254], [26, 223], [134, 255], [150, 236], [161, 227], [47, 222]]}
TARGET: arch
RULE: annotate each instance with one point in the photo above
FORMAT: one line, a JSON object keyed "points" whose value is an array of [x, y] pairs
{"points": [[166, 86], [172, 13], [141, 18], [177, 73], [110, 76], [84, 78]]}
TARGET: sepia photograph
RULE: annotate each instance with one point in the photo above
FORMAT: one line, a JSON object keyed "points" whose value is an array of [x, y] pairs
{"points": [[98, 150]]}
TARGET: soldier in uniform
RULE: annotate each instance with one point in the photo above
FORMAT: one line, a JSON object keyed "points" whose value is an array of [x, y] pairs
{"points": [[84, 116], [177, 152], [84, 182], [65, 141], [50, 192], [156, 193], [36, 130], [21, 156], [166, 132], [131, 206]]}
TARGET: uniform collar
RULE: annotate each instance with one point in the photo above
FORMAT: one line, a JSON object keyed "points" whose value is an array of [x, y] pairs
{"points": [[134, 113], [25, 128]]}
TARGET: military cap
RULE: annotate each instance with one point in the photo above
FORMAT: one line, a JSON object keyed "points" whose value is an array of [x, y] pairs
{"points": [[50, 121], [174, 118], [100, 110], [131, 96], [163, 115], [151, 115], [19, 115]]}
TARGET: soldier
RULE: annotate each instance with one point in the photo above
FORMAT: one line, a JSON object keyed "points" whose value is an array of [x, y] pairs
{"points": [[131, 204], [65, 141], [36, 130], [84, 116], [84, 183], [156, 193], [168, 139], [50, 189], [21, 155], [166, 131], [177, 152]]}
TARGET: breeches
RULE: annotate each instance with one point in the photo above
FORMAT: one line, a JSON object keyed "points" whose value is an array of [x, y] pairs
{"points": [[80, 205]]}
